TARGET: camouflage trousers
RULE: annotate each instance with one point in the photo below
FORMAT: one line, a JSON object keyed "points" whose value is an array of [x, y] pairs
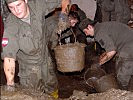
{"points": [[124, 70], [41, 77]]}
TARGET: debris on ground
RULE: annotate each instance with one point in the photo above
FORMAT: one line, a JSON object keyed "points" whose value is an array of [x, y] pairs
{"points": [[25, 94]]}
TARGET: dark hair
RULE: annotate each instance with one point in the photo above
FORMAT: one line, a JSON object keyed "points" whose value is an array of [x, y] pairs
{"points": [[84, 23], [74, 15], [74, 7]]}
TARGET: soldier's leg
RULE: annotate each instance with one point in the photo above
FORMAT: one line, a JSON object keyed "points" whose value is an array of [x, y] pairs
{"points": [[124, 72], [29, 75], [49, 76], [130, 85]]}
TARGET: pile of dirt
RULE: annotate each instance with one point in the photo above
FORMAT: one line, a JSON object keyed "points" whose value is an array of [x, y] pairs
{"points": [[112, 94], [25, 94]]}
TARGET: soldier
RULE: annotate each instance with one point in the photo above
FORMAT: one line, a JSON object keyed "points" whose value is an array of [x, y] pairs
{"points": [[75, 19], [115, 38], [25, 42], [115, 10], [51, 29], [81, 13]]}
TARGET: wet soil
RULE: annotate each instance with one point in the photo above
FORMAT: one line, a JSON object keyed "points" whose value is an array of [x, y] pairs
{"points": [[68, 82]]}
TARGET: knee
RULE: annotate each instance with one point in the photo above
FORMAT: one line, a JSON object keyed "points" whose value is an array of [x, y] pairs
{"points": [[123, 80]]}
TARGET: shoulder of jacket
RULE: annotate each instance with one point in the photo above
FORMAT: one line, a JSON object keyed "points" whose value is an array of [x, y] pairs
{"points": [[11, 18]]}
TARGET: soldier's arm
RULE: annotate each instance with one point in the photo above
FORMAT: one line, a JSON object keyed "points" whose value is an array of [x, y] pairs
{"points": [[9, 69], [65, 6], [50, 5], [106, 57]]}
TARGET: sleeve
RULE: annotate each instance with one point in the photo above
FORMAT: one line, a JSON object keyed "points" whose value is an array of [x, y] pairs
{"points": [[105, 41], [108, 5], [51, 35], [9, 41], [46, 6], [51, 5]]}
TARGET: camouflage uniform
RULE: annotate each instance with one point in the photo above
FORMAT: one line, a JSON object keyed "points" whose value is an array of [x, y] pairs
{"points": [[117, 36], [115, 10], [27, 43], [50, 30]]}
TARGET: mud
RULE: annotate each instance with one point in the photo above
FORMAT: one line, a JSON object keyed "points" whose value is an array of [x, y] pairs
{"points": [[111, 94], [24, 94], [72, 86]]}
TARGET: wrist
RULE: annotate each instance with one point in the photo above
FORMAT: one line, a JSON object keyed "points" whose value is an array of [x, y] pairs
{"points": [[10, 83]]}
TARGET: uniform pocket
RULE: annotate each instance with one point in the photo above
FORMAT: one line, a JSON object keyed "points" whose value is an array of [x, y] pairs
{"points": [[28, 45]]}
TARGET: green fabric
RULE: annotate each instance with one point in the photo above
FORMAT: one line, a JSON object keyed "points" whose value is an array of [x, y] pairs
{"points": [[10, 1], [28, 44], [115, 36], [124, 71], [84, 23], [115, 10]]}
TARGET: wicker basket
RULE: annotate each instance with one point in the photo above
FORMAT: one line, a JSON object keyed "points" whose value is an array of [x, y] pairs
{"points": [[70, 57]]}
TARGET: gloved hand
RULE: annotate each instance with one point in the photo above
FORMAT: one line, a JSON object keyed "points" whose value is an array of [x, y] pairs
{"points": [[63, 23]]}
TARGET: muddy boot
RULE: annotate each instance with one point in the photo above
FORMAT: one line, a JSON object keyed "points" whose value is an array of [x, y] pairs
{"points": [[41, 87], [130, 85]]}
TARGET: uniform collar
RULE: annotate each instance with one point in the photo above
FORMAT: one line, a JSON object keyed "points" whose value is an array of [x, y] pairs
{"points": [[32, 9], [96, 28]]}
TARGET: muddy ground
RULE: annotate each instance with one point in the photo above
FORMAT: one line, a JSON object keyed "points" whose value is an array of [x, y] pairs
{"points": [[68, 82], [71, 82], [111, 94]]}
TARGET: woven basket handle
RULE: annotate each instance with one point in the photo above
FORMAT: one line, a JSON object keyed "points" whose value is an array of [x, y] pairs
{"points": [[73, 35]]}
